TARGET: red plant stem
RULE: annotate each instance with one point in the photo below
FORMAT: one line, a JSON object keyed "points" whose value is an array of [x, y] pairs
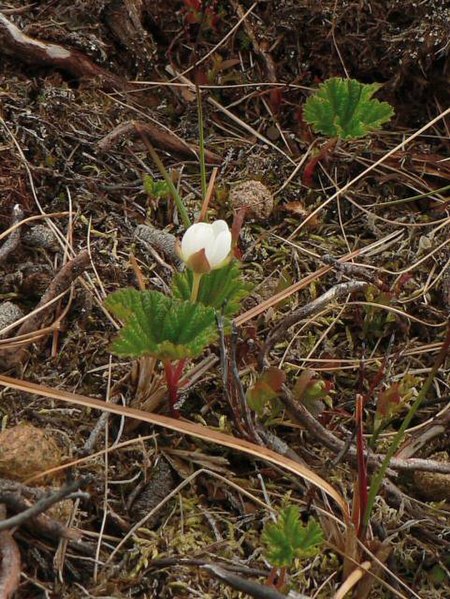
{"points": [[281, 578], [311, 165], [179, 370], [173, 374], [238, 221], [271, 578], [277, 578], [362, 468]]}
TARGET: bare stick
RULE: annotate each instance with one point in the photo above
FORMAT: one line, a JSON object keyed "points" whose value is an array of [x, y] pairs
{"points": [[44, 503], [13, 240], [63, 280], [31, 51], [352, 270], [16, 497], [10, 562], [336, 445], [161, 139], [333, 294], [254, 589]]}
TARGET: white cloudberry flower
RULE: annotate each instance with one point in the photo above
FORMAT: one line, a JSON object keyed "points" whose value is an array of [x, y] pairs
{"points": [[206, 247]]}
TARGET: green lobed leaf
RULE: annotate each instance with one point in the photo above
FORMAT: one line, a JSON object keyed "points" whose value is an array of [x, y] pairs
{"points": [[223, 288], [289, 538], [159, 326], [345, 108]]}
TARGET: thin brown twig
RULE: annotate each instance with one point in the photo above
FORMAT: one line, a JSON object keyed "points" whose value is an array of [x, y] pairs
{"points": [[31, 51], [253, 589], [10, 562], [17, 498], [44, 503], [333, 294], [160, 138], [13, 240], [313, 426], [62, 281]]}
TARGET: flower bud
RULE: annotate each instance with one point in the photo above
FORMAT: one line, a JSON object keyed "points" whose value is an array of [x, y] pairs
{"points": [[206, 247]]}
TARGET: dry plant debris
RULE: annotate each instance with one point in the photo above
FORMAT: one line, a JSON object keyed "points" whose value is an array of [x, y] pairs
{"points": [[26, 450], [350, 281], [254, 197]]}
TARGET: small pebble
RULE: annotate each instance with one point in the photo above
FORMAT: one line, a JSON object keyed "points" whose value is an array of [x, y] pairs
{"points": [[9, 313], [40, 236]]}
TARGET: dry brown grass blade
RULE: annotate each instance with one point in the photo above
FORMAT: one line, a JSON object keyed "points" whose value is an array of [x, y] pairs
{"points": [[30, 219], [278, 297], [365, 585], [188, 428], [207, 198], [352, 580]]}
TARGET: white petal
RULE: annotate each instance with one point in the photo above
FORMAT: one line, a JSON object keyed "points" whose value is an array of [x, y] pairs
{"points": [[198, 236], [217, 253], [219, 226]]}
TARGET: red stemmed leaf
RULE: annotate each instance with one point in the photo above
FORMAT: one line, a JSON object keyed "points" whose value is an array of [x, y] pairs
{"points": [[265, 389], [388, 403]]}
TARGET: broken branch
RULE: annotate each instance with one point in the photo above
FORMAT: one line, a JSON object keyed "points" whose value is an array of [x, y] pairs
{"points": [[16, 44]]}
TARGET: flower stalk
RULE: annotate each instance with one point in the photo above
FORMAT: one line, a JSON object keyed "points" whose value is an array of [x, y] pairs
{"points": [[173, 372], [195, 285]]}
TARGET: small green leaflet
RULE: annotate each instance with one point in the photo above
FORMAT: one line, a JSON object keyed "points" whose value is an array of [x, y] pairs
{"points": [[159, 326], [345, 108], [289, 538], [155, 189], [265, 389], [222, 289], [312, 391], [388, 403]]}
